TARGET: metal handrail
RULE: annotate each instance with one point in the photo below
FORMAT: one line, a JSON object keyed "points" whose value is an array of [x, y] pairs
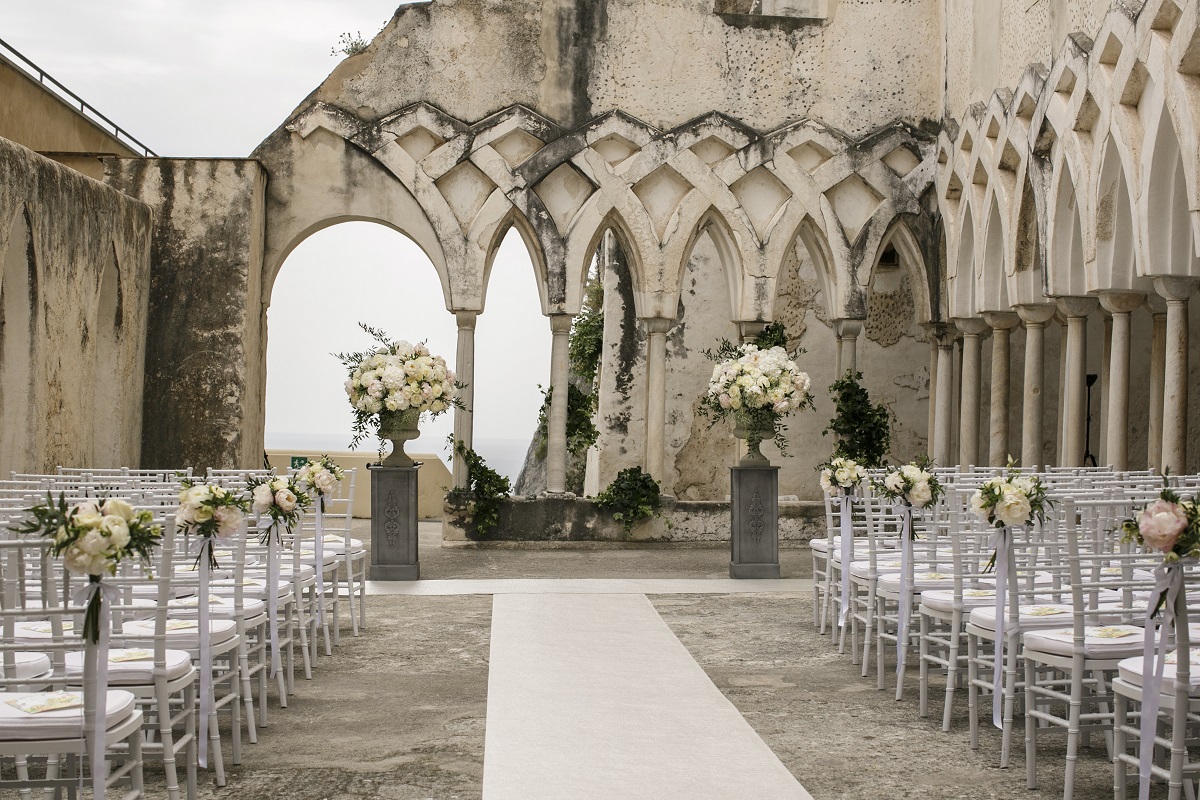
{"points": [[84, 107]]}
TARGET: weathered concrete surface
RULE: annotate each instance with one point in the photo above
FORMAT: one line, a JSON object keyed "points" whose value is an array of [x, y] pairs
{"points": [[205, 361], [74, 289]]}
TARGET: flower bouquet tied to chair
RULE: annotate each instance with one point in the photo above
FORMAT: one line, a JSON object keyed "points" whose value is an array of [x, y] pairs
{"points": [[756, 385], [390, 386]]}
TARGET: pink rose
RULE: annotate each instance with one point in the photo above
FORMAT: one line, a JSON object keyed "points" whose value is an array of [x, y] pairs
{"points": [[724, 400], [1160, 524]]}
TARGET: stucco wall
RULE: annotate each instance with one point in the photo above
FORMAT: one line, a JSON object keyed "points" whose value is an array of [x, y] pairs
{"points": [[206, 335], [77, 259], [663, 61]]}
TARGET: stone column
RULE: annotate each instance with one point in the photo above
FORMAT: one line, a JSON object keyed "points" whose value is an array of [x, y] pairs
{"points": [[1035, 318], [968, 414], [464, 367], [656, 394], [1001, 323], [847, 332], [1158, 350], [1176, 292], [1076, 310], [1060, 445], [556, 425], [944, 394], [1116, 432], [933, 376], [1102, 395]]}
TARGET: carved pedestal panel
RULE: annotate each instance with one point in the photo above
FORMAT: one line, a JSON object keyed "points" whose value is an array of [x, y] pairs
{"points": [[754, 507], [394, 523]]}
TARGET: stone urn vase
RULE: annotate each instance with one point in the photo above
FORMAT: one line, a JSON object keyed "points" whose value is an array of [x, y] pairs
{"points": [[399, 427], [753, 427]]}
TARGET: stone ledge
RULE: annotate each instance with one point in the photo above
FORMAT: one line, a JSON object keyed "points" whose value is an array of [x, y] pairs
{"points": [[554, 520]]}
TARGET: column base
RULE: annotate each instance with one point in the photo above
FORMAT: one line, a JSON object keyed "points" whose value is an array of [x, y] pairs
{"points": [[753, 570], [395, 572]]}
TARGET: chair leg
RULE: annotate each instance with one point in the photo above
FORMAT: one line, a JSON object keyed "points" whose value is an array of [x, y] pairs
{"points": [[362, 598], [924, 675], [247, 692], [1073, 716], [135, 758], [1119, 746], [868, 630], [166, 737], [952, 670], [972, 689], [1030, 726]]}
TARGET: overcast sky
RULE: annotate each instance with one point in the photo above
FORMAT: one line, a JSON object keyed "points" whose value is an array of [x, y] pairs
{"points": [[215, 79]]}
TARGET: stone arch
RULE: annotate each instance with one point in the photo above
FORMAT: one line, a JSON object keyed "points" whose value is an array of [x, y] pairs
{"points": [[714, 224], [18, 344], [580, 253], [108, 450], [1170, 247], [1118, 258], [812, 236], [1065, 276], [991, 287], [961, 277], [1026, 280], [912, 260], [516, 221]]}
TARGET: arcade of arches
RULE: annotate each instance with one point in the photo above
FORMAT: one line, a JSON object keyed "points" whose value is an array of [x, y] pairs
{"points": [[978, 226]]}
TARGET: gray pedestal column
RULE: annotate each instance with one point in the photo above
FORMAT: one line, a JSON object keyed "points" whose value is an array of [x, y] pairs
{"points": [[394, 523], [754, 496]]}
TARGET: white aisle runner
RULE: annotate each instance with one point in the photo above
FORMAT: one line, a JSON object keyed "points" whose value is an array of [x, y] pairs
{"points": [[593, 696]]}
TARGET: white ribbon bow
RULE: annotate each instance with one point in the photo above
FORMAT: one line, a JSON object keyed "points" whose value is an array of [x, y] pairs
{"points": [[95, 679], [1000, 541], [904, 511], [319, 554], [1168, 584], [846, 506], [273, 593]]}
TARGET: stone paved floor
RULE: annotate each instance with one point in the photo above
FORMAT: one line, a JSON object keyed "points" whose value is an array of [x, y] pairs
{"points": [[399, 712]]}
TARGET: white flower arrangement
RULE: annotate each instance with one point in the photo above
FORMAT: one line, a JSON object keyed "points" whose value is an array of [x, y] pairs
{"points": [[279, 497], [910, 484], [396, 376], [209, 511], [93, 537], [321, 476], [757, 386], [841, 476], [1011, 499]]}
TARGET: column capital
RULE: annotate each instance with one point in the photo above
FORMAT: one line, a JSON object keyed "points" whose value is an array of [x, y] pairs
{"points": [[847, 328], [466, 319], [1001, 320], [1076, 306], [658, 324], [1121, 302], [1036, 313], [1177, 289], [561, 323], [971, 326], [1156, 305], [941, 332]]}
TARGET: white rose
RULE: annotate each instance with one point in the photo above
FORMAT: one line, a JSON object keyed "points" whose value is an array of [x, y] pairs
{"points": [[198, 494], [116, 507], [86, 515], [326, 481], [911, 472], [279, 483], [826, 485], [92, 543], [1025, 484], [264, 496], [895, 482], [977, 504], [228, 521], [118, 532], [844, 476], [80, 562], [1013, 508], [286, 500], [921, 494]]}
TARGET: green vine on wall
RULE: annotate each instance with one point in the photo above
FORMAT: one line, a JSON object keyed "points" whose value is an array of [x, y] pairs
{"points": [[632, 497], [485, 493], [864, 430]]}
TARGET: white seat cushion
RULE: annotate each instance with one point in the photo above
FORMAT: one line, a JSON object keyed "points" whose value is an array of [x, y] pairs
{"points": [[219, 606], [251, 587], [922, 579], [181, 633], [66, 723], [28, 665], [1049, 615], [820, 544], [1131, 671], [133, 666], [1108, 641], [943, 599]]}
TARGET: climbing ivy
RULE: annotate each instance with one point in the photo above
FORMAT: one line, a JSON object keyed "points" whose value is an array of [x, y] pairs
{"points": [[486, 490], [631, 497], [581, 431], [587, 332], [864, 430]]}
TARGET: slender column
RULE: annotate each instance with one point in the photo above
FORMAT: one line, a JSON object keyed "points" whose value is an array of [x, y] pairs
{"points": [[1116, 431], [1158, 355], [933, 377], [1035, 318], [1176, 292], [943, 396], [847, 333], [556, 426], [1061, 447], [1075, 395], [968, 415], [464, 368], [956, 364], [656, 394], [1001, 323], [1102, 395]]}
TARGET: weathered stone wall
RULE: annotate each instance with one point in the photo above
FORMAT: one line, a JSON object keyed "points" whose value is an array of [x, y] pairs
{"points": [[662, 61], [205, 358], [74, 293]]}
